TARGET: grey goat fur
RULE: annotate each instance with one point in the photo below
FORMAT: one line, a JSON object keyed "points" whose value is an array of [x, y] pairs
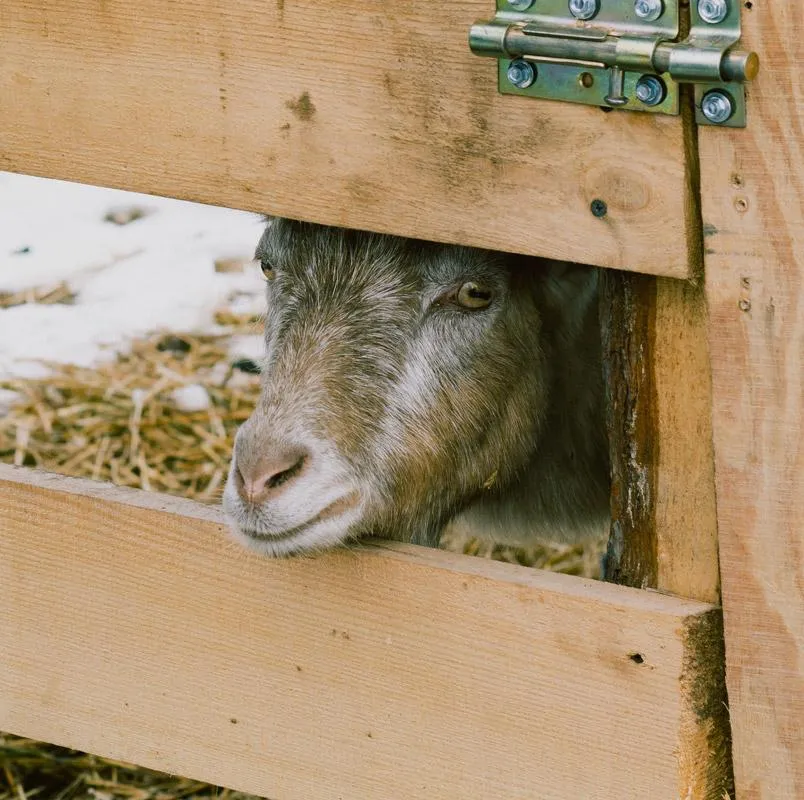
{"points": [[389, 409]]}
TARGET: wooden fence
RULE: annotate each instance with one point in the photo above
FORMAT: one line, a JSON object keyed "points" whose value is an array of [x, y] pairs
{"points": [[131, 628]]}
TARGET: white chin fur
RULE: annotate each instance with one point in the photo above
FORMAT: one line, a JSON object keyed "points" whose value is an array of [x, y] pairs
{"points": [[320, 535], [287, 530]]}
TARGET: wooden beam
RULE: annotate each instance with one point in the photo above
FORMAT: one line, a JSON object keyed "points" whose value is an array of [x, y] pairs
{"points": [[131, 628], [340, 112], [752, 188], [664, 526]]}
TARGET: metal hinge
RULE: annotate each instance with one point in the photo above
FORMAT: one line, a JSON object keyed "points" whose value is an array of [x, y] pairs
{"points": [[621, 54]]}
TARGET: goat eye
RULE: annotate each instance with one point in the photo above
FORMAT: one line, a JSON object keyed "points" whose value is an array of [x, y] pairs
{"points": [[473, 295], [268, 271]]}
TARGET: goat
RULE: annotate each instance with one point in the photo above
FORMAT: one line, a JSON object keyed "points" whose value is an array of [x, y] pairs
{"points": [[409, 386]]}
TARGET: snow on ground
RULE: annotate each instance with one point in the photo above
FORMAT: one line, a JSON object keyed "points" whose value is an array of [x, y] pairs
{"points": [[154, 273]]}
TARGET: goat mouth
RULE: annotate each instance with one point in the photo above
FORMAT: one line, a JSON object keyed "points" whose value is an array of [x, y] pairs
{"points": [[340, 506]]}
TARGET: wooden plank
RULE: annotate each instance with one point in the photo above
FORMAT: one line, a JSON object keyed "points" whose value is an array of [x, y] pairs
{"points": [[336, 111], [664, 526], [686, 518], [752, 187], [131, 628]]}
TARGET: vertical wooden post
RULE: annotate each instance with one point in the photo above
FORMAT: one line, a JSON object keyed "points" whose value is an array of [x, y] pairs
{"points": [[664, 530], [752, 185], [664, 526]]}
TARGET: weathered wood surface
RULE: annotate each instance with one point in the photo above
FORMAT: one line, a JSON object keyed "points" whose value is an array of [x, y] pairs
{"points": [[129, 627], [664, 528], [753, 210], [337, 111]]}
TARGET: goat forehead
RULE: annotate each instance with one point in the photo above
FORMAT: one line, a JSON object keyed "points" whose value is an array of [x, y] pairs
{"points": [[291, 244], [339, 258], [450, 264], [350, 292], [349, 308], [327, 278]]}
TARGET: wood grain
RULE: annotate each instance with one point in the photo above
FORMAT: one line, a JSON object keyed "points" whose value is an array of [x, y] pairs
{"points": [[335, 111], [131, 628], [664, 526], [753, 209], [626, 306], [685, 510]]}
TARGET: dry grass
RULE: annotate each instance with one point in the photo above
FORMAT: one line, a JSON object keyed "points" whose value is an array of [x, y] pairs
{"points": [[120, 422], [581, 559], [31, 769], [61, 293]]}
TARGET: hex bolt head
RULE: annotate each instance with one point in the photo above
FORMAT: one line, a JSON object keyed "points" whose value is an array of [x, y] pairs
{"points": [[584, 9], [520, 5], [713, 11], [521, 73], [650, 90], [648, 10], [717, 106]]}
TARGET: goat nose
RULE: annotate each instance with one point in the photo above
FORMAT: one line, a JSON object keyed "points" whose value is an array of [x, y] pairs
{"points": [[270, 474]]}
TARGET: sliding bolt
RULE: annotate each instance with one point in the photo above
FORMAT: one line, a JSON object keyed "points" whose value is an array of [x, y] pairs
{"points": [[521, 73], [584, 9], [713, 11], [520, 5], [648, 10], [717, 107]]}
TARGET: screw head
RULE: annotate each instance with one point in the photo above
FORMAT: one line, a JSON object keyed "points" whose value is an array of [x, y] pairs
{"points": [[584, 9], [713, 11], [599, 208], [648, 10], [717, 106], [650, 90], [521, 73], [520, 5]]}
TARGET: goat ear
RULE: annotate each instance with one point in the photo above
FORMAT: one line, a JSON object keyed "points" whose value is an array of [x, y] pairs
{"points": [[268, 224], [277, 236]]}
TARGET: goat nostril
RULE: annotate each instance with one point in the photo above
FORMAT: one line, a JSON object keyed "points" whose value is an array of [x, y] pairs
{"points": [[285, 475], [255, 479]]}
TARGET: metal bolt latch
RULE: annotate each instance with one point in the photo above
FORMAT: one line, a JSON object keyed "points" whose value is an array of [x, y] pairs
{"points": [[521, 73], [649, 10], [625, 54], [717, 107], [584, 9], [713, 11]]}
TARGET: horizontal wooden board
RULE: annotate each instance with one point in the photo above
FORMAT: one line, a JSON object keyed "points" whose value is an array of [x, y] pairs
{"points": [[337, 111], [131, 627]]}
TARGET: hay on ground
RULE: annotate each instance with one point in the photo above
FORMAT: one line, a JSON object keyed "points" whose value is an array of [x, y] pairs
{"points": [[30, 769], [61, 293], [122, 422]]}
